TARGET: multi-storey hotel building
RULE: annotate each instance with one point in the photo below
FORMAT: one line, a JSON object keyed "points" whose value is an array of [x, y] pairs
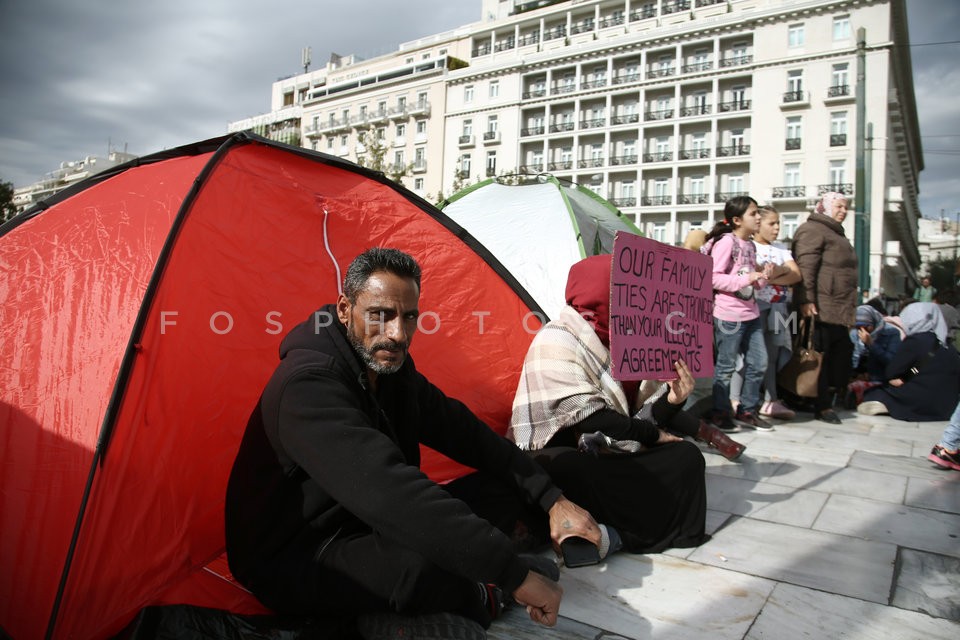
{"points": [[666, 107]]}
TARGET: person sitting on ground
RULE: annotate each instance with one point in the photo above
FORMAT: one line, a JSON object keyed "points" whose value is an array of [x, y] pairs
{"points": [[567, 399], [327, 510], [946, 453], [923, 378], [875, 342]]}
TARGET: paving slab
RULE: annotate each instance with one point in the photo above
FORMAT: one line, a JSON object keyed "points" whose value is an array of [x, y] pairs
{"points": [[940, 494], [846, 480], [765, 501], [929, 583], [908, 466]]}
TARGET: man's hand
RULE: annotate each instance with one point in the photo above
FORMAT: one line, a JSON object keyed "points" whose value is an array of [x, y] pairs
{"points": [[808, 309], [567, 519], [681, 387], [541, 596]]}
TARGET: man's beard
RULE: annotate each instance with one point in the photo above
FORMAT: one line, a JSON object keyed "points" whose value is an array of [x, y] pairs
{"points": [[367, 354]]}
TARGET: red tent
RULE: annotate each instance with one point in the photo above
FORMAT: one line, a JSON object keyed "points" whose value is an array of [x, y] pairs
{"points": [[141, 315]]}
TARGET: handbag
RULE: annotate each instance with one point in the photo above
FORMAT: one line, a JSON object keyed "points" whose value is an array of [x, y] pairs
{"points": [[800, 374]]}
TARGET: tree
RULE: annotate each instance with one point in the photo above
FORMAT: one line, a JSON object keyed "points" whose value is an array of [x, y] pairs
{"points": [[374, 157], [7, 209]]}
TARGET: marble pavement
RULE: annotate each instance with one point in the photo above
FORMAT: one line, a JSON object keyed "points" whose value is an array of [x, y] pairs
{"points": [[820, 531]]}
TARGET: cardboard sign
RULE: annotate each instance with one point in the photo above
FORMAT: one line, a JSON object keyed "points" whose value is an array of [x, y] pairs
{"points": [[661, 309]]}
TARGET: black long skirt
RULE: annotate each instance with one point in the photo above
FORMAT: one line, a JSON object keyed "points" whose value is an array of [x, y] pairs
{"points": [[655, 499]]}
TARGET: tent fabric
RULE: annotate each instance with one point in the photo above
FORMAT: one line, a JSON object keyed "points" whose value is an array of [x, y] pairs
{"points": [[538, 230], [141, 315]]}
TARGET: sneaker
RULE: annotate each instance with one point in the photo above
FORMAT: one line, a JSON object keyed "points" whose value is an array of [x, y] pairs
{"points": [[944, 458], [871, 408], [430, 626], [777, 409], [722, 421], [828, 415], [751, 420]]}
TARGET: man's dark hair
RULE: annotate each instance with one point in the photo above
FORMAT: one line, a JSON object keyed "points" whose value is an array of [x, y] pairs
{"points": [[378, 259]]}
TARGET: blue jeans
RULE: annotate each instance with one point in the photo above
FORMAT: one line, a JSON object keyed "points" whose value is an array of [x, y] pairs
{"points": [[951, 435], [732, 339]]}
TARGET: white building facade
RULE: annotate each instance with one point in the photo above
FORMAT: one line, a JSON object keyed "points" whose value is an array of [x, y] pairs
{"points": [[667, 108]]}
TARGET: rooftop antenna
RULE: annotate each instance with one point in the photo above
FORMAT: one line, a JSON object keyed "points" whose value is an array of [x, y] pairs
{"points": [[305, 59]]}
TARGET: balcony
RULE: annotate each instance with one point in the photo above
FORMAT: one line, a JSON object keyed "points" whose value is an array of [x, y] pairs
{"points": [[723, 196], [733, 150], [593, 123], [661, 114], [792, 144], [660, 72], [623, 202], [694, 154], [644, 12], [531, 168], [662, 156], [555, 33], [696, 198], [561, 88], [482, 50], [505, 45], [697, 66], [626, 118], [534, 93], [707, 3], [795, 99], [491, 137], [736, 61], [561, 126], [838, 139], [630, 158], [491, 172], [530, 38], [595, 83], [697, 110], [591, 163], [676, 7], [584, 26], [626, 78], [465, 141], [735, 105], [839, 93], [612, 22], [783, 193], [563, 165], [398, 112], [655, 201], [533, 131], [846, 188], [419, 108], [419, 166]]}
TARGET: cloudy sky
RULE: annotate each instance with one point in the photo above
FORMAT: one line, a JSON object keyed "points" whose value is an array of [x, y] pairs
{"points": [[77, 76]]}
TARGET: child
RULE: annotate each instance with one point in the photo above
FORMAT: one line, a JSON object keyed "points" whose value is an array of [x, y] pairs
{"points": [[736, 320]]}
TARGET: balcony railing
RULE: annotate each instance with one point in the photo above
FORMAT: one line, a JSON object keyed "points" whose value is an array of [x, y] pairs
{"points": [[554, 33], [593, 123], [676, 6], [838, 91], [482, 50], [696, 110], [419, 166], [838, 139], [696, 198], [662, 156], [846, 188], [465, 140], [660, 72], [792, 144], [531, 168], [590, 163], [566, 87], [533, 131], [733, 150], [694, 154], [644, 12], [630, 158], [656, 201], [789, 192], [563, 165], [661, 114], [505, 45], [534, 93], [623, 202], [707, 3], [626, 78], [794, 96], [595, 83], [491, 171], [735, 105], [530, 38], [420, 107], [723, 196], [612, 22], [561, 126], [582, 27], [736, 61], [697, 66], [490, 137], [626, 118]]}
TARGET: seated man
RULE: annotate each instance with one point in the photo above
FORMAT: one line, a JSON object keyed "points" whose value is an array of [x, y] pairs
{"points": [[327, 510]]}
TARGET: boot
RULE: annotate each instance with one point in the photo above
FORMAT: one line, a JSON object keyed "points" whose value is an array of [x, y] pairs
{"points": [[720, 441]]}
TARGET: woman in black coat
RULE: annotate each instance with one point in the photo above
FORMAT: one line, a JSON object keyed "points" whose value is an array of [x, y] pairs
{"points": [[923, 378]]}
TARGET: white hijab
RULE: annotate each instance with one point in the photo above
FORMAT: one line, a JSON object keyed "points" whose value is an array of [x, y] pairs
{"points": [[918, 317]]}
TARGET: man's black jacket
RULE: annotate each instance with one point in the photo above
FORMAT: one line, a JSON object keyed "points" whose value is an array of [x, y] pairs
{"points": [[322, 457]]}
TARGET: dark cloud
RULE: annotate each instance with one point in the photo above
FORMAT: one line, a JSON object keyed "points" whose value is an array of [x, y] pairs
{"points": [[154, 75]]}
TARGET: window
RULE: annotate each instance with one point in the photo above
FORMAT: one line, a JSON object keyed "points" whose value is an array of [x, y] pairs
{"points": [[492, 124], [658, 231], [422, 99], [401, 103], [841, 75], [467, 128], [465, 164], [841, 28], [663, 144], [838, 123], [418, 184], [382, 107], [536, 122], [795, 35], [494, 88], [699, 142], [627, 189], [330, 143], [791, 174], [630, 148], [566, 154], [468, 93], [795, 81], [381, 133], [663, 104], [735, 183], [700, 102], [596, 151], [568, 82], [738, 95], [401, 130], [665, 63], [288, 99], [363, 111], [739, 51], [398, 158], [425, 56], [491, 163], [736, 139], [661, 188], [838, 172], [343, 140], [599, 75], [696, 185], [794, 132], [536, 158], [700, 57], [346, 115], [788, 224], [421, 127], [418, 157]]}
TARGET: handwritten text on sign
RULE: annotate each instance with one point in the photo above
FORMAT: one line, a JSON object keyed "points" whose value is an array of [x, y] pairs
{"points": [[661, 309]]}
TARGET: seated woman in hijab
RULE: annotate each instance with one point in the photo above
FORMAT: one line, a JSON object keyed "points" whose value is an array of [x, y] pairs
{"points": [[645, 485], [923, 378], [875, 342]]}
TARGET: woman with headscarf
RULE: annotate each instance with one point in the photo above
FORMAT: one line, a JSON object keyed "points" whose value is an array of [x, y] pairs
{"points": [[874, 342], [923, 378], [828, 293], [645, 484]]}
